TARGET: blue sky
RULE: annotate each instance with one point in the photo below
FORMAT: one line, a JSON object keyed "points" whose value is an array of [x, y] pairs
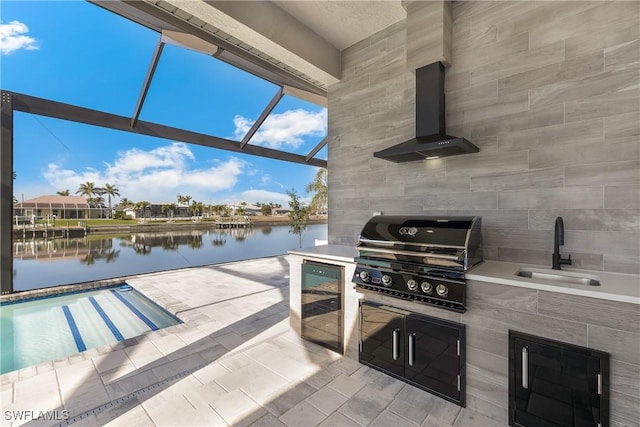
{"points": [[78, 53]]}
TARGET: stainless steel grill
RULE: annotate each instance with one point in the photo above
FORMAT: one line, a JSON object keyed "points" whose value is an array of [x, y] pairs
{"points": [[419, 258]]}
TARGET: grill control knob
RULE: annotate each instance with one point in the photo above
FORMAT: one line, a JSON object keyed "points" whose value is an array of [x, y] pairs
{"points": [[387, 280], [412, 285], [442, 290], [426, 287], [365, 276]]}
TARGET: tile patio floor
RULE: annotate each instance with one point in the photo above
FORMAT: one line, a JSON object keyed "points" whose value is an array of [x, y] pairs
{"points": [[232, 362]]}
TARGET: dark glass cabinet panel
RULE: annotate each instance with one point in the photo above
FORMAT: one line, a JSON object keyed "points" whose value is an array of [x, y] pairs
{"points": [[382, 338], [556, 384], [322, 301], [434, 357], [424, 351]]}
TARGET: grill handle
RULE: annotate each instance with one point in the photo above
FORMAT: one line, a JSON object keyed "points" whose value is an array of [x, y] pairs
{"points": [[457, 257], [395, 351]]}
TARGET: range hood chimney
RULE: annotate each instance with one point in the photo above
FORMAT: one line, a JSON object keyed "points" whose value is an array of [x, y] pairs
{"points": [[431, 140]]}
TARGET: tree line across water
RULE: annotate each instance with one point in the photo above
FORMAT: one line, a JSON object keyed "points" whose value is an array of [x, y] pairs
{"points": [[95, 198]]}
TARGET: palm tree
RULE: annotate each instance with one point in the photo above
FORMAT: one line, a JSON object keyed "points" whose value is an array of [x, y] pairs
{"points": [[196, 208], [184, 199], [319, 187], [110, 190], [169, 207], [97, 202], [87, 189], [126, 203], [142, 206], [63, 192]]}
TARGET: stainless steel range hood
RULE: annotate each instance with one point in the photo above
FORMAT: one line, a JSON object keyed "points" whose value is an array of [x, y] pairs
{"points": [[431, 141]]}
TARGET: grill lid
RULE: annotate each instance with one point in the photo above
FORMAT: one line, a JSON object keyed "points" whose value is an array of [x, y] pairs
{"points": [[412, 232], [422, 240]]}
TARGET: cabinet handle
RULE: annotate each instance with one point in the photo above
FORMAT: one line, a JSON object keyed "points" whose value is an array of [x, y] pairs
{"points": [[360, 320], [412, 344], [396, 350], [525, 367], [600, 384]]}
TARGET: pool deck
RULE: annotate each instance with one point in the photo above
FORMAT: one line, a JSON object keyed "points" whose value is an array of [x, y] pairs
{"points": [[234, 361]]}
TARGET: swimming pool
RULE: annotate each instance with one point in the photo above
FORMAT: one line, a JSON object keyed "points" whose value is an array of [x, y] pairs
{"points": [[48, 328]]}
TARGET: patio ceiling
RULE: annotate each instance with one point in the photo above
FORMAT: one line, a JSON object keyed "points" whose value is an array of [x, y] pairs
{"points": [[290, 43], [268, 39]]}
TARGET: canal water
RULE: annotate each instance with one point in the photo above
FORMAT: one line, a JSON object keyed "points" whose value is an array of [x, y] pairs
{"points": [[43, 263]]}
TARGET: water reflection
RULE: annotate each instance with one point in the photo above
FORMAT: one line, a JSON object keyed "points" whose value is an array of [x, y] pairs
{"points": [[93, 255], [43, 263], [51, 250], [90, 248]]}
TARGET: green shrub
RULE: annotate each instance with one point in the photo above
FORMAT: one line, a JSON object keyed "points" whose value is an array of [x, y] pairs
{"points": [[121, 215]]}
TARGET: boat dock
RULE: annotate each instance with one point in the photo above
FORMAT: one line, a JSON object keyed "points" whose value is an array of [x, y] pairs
{"points": [[234, 222], [28, 232]]}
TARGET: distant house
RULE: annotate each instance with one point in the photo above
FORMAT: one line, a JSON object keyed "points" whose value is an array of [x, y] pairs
{"points": [[62, 207], [154, 210]]}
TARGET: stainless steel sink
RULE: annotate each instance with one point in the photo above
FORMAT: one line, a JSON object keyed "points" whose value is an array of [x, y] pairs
{"points": [[562, 277]]}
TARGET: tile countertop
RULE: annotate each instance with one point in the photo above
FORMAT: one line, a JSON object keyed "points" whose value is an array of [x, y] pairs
{"points": [[614, 286], [339, 253]]}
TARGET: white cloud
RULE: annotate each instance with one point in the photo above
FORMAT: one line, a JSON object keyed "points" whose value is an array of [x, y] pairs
{"points": [[264, 196], [265, 179], [285, 129], [158, 175], [12, 38]]}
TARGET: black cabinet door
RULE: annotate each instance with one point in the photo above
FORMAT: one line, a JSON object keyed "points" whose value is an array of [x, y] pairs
{"points": [[381, 338], [434, 356], [556, 384]]}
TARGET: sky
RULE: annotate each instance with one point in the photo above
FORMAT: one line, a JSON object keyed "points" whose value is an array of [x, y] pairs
{"points": [[78, 53]]}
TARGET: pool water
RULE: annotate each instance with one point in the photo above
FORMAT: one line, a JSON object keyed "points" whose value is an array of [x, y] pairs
{"points": [[53, 327]]}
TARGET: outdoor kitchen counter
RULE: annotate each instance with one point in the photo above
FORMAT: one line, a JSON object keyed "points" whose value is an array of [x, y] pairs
{"points": [[339, 253], [613, 286], [604, 318]]}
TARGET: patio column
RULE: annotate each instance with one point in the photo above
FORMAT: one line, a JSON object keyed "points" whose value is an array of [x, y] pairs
{"points": [[6, 193]]}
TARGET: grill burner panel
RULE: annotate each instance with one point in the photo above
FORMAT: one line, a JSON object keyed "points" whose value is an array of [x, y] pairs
{"points": [[423, 259], [426, 287]]}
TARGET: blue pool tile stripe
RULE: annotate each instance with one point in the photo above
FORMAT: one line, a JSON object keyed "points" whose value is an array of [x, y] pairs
{"points": [[74, 328], [116, 333], [137, 312]]}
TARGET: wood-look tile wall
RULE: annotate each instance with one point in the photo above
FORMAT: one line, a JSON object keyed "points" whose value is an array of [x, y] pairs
{"points": [[550, 93], [609, 326]]}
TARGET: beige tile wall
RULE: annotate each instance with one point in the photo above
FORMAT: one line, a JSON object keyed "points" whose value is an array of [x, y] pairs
{"points": [[550, 93]]}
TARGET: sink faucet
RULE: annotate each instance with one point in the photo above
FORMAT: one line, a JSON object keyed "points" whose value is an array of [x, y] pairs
{"points": [[558, 240]]}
